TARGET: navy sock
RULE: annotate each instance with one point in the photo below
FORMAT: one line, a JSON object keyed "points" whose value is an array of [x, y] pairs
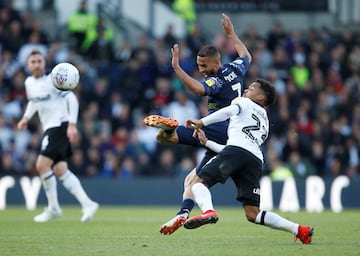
{"points": [[186, 206]]}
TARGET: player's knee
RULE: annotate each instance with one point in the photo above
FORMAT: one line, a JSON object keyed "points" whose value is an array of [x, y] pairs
{"points": [[38, 167], [191, 179], [187, 182]]}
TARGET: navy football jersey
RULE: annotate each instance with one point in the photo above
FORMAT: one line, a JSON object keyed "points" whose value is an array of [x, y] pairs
{"points": [[221, 89], [226, 85]]}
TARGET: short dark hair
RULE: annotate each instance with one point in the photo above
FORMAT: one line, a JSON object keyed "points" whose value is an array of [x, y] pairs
{"points": [[268, 90], [35, 52], [208, 51]]}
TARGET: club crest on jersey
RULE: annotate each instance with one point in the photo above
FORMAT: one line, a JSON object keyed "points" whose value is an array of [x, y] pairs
{"points": [[210, 82]]}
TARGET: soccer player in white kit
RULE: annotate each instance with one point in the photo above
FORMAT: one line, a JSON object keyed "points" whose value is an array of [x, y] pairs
{"points": [[58, 113], [241, 160]]}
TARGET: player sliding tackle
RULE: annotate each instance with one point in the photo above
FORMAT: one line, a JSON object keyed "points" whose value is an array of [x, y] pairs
{"points": [[240, 159]]}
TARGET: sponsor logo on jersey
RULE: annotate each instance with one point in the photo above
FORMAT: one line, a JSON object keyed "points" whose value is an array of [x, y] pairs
{"points": [[210, 82], [37, 99]]}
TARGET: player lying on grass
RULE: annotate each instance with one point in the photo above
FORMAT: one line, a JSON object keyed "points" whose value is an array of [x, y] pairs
{"points": [[241, 159]]}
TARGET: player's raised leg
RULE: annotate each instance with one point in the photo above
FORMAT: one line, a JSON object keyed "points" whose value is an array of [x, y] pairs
{"points": [[161, 122]]}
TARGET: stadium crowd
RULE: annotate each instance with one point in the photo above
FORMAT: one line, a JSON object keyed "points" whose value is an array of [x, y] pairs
{"points": [[315, 122]]}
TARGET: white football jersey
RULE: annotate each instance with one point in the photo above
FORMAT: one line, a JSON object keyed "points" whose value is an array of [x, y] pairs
{"points": [[249, 128], [47, 101]]}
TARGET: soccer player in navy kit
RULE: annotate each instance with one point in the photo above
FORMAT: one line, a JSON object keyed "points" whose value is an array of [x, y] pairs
{"points": [[241, 160], [58, 113], [221, 84]]}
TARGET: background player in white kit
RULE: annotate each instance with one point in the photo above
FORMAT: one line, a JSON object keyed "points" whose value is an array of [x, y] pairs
{"points": [[58, 113], [240, 159]]}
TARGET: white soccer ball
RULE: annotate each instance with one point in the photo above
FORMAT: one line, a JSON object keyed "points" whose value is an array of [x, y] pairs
{"points": [[65, 76]]}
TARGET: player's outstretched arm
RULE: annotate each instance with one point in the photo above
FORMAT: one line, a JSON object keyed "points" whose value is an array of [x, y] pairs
{"points": [[29, 112], [212, 145], [194, 124], [190, 83], [240, 47]]}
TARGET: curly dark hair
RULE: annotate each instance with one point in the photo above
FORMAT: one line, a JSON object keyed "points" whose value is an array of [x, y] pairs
{"points": [[268, 89]]}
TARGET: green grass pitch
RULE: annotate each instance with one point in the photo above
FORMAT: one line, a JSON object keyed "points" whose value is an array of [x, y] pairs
{"points": [[134, 231]]}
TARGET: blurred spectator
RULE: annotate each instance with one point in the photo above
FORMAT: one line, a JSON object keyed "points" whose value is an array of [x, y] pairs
{"points": [[12, 37], [11, 13], [300, 166], [128, 169], [34, 24], [120, 112], [110, 165], [169, 37], [352, 160], [185, 166], [81, 26], [145, 135], [32, 43], [296, 141], [195, 40], [77, 162], [276, 37], [186, 10], [182, 107], [100, 96], [318, 157], [167, 163], [124, 52], [278, 170], [162, 94], [100, 50], [6, 134], [11, 109], [300, 73], [93, 161], [8, 66]]}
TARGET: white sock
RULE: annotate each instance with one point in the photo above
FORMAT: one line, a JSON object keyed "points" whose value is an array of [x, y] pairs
{"points": [[49, 183], [73, 185], [202, 197], [275, 221]]}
